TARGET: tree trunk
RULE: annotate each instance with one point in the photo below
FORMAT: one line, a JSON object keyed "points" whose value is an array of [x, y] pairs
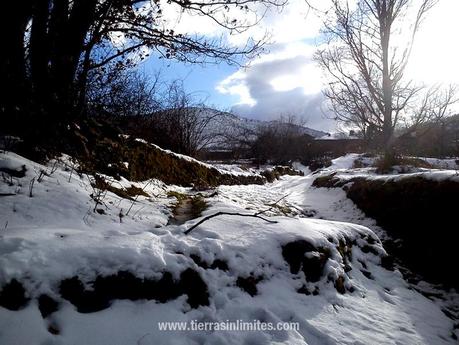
{"points": [[15, 94], [71, 43], [385, 26], [57, 41], [39, 56]]}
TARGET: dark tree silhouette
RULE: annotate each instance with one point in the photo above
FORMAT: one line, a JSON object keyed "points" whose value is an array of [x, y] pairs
{"points": [[52, 46]]}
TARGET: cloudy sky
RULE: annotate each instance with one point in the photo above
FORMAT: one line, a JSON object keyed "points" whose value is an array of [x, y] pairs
{"points": [[285, 80]]}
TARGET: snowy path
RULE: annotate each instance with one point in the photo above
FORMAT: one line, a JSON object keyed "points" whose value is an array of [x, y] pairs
{"points": [[332, 204], [55, 235], [329, 204]]}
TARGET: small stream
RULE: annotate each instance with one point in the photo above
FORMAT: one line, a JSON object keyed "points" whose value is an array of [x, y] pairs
{"points": [[182, 213]]}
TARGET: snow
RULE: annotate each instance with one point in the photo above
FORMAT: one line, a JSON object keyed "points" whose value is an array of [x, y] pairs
{"points": [[344, 162], [449, 163], [300, 167], [56, 235], [169, 152], [343, 168], [337, 136], [369, 173], [236, 170]]}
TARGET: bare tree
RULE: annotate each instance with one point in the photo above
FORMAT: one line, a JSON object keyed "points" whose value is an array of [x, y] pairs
{"points": [[123, 93], [183, 123], [366, 59], [433, 113], [149, 108], [164, 114]]}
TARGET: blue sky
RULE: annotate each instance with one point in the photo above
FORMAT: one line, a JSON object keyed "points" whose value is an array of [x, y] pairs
{"points": [[199, 79]]}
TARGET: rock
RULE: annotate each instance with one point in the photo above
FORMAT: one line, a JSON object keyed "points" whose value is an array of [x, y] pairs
{"points": [[13, 296], [15, 173], [124, 285], [301, 254], [293, 253], [72, 289], [53, 329], [248, 284], [367, 274], [47, 305], [339, 285], [388, 262], [219, 264], [194, 286]]}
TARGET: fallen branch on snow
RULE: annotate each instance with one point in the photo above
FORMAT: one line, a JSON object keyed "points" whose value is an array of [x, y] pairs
{"points": [[255, 215], [228, 214]]}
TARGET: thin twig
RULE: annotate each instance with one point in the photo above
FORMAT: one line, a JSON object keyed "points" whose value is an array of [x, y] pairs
{"points": [[32, 181], [139, 209], [137, 196], [274, 204], [228, 214]]}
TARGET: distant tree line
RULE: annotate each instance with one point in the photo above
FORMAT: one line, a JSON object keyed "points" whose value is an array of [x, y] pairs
{"points": [[281, 141]]}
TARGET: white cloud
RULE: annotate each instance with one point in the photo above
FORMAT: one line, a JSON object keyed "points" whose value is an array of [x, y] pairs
{"points": [[293, 23], [436, 53], [285, 81], [287, 67], [280, 83], [235, 85], [307, 77], [290, 23]]}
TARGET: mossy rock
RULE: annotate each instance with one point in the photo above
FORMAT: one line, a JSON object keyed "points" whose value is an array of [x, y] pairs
{"points": [[127, 193]]}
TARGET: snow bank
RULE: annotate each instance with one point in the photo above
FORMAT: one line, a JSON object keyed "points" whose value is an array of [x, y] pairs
{"points": [[344, 162], [437, 163]]}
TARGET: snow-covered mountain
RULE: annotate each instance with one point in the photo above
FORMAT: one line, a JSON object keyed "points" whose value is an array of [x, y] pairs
{"points": [[225, 127]]}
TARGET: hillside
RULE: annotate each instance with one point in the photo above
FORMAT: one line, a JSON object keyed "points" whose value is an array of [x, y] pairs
{"points": [[217, 129], [230, 126]]}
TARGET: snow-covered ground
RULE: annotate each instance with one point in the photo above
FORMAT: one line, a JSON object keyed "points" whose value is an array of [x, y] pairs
{"points": [[451, 163], [344, 167], [55, 234]]}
